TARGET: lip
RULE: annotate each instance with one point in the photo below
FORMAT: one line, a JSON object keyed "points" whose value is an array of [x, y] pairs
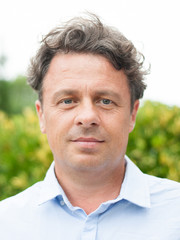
{"points": [[88, 144], [89, 139]]}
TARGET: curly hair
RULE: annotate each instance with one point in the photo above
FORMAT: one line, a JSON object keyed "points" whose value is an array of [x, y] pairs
{"points": [[89, 35]]}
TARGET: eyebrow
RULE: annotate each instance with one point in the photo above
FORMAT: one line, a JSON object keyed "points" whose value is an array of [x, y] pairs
{"points": [[108, 93], [64, 92]]}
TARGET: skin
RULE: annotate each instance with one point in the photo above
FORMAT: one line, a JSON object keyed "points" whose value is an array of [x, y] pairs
{"points": [[87, 117]]}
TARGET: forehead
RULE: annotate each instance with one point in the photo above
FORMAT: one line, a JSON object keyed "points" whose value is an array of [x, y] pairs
{"points": [[83, 71], [77, 63]]}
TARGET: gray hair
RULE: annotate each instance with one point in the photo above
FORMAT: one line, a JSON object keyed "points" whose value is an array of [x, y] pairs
{"points": [[89, 35]]}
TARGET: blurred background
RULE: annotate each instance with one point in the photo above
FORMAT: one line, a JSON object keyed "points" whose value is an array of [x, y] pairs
{"points": [[153, 27]]}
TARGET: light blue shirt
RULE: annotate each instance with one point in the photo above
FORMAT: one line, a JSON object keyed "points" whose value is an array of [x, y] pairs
{"points": [[147, 208]]}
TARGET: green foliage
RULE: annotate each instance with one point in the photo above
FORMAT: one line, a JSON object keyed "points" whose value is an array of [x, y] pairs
{"points": [[4, 100], [24, 152], [25, 155], [154, 145], [16, 95]]}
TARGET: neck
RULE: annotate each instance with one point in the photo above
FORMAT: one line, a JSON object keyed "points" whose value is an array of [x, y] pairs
{"points": [[88, 190]]}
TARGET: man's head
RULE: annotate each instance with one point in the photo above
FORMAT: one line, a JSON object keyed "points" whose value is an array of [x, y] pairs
{"points": [[89, 35], [89, 80]]}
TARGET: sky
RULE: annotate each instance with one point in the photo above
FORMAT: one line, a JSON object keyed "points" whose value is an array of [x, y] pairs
{"points": [[153, 26]]}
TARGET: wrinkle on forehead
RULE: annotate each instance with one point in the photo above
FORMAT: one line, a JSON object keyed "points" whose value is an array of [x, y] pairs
{"points": [[85, 73]]}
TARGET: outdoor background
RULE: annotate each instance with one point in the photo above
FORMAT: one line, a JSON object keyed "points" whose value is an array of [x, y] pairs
{"points": [[153, 26]]}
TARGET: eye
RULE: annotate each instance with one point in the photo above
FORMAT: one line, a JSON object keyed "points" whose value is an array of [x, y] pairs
{"points": [[67, 101], [106, 101]]}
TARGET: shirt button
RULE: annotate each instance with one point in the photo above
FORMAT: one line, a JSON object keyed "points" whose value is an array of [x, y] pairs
{"points": [[62, 203]]}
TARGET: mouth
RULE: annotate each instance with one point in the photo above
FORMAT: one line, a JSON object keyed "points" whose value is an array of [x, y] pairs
{"points": [[88, 143], [83, 139]]}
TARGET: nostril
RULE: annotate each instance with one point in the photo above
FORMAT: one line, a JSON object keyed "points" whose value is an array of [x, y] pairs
{"points": [[87, 124], [79, 123], [87, 117]]}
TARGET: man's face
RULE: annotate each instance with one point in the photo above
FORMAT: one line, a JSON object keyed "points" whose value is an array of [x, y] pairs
{"points": [[86, 112]]}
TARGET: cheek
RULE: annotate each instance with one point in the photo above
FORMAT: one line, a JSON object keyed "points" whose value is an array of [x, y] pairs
{"points": [[119, 130], [57, 121], [54, 132], [58, 127]]}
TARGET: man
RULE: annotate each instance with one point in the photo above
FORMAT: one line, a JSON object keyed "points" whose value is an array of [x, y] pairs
{"points": [[89, 79]]}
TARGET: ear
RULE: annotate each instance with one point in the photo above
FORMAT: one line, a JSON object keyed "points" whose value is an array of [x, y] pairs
{"points": [[133, 116], [40, 116]]}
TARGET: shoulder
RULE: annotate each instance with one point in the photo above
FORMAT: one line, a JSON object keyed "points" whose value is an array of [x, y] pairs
{"points": [[163, 190], [17, 214], [26, 198], [163, 183]]}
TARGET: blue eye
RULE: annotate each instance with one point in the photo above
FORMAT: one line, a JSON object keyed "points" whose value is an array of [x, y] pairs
{"points": [[67, 101], [106, 101]]}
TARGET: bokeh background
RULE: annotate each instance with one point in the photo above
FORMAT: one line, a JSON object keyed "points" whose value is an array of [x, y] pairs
{"points": [[153, 27]]}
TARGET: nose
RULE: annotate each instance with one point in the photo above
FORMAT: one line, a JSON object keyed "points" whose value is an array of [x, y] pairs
{"points": [[87, 116]]}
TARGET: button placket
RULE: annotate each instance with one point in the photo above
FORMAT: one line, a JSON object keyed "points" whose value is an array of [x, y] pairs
{"points": [[90, 228]]}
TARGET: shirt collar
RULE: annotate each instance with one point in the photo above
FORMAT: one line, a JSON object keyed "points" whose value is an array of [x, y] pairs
{"points": [[134, 188], [50, 186]]}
